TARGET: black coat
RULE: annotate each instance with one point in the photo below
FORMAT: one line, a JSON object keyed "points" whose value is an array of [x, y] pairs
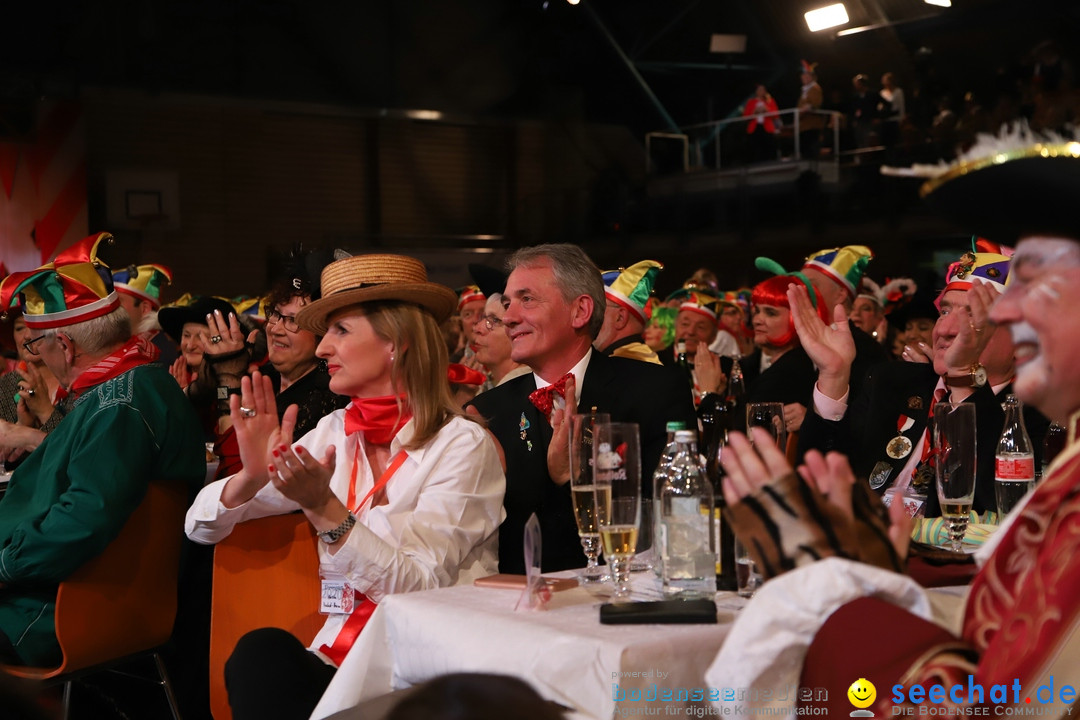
{"points": [[903, 388], [631, 391]]}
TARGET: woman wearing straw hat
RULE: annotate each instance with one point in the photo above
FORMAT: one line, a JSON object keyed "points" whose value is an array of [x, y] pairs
{"points": [[404, 491]]}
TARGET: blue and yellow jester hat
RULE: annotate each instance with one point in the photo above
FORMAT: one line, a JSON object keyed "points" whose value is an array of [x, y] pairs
{"points": [[73, 288], [631, 287], [845, 265], [143, 282]]}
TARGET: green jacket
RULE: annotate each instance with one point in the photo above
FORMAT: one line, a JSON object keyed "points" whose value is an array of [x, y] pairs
{"points": [[71, 497]]}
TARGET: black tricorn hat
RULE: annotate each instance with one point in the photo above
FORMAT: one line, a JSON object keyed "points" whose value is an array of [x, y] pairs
{"points": [[490, 280], [1009, 194]]}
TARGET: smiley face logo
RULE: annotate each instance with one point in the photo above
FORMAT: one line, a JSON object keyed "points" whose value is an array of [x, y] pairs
{"points": [[862, 694]]}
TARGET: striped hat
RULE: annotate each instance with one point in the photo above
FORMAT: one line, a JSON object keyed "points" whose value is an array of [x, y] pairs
{"points": [[143, 282], [631, 287], [845, 265], [468, 294], [702, 304], [73, 288]]}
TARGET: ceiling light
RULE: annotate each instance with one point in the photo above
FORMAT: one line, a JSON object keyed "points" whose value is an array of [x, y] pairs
{"points": [[826, 17], [939, 3]]}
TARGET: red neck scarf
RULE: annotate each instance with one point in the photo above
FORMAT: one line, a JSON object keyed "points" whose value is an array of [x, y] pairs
{"points": [[378, 418], [131, 354]]}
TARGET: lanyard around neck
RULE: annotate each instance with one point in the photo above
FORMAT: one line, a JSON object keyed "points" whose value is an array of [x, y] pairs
{"points": [[383, 479]]}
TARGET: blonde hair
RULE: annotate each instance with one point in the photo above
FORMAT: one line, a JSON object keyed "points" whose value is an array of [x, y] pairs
{"points": [[419, 366]]}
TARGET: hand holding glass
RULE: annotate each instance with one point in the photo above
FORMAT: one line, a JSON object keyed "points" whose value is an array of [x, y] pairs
{"points": [[954, 464], [769, 415], [582, 491], [617, 483]]}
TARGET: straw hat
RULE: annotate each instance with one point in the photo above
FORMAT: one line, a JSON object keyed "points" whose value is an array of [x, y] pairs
{"points": [[366, 278]]}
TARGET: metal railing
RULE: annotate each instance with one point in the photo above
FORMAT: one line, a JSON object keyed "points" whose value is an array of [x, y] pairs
{"points": [[697, 139]]}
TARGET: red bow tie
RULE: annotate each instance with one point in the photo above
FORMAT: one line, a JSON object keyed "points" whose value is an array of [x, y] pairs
{"points": [[543, 398]]}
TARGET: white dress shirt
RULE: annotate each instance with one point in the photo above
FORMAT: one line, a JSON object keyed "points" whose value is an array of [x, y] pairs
{"points": [[439, 526]]}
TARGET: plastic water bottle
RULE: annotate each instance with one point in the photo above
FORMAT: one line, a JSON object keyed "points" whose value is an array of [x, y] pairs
{"points": [[1014, 463], [659, 477], [685, 525]]}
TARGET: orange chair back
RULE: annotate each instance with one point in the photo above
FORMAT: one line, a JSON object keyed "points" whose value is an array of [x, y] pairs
{"points": [[266, 574], [123, 601]]}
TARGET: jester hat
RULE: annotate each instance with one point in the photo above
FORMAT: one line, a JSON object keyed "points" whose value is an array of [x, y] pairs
{"points": [[631, 287], [987, 263], [468, 294], [845, 265], [73, 288], [702, 304], [143, 282]]}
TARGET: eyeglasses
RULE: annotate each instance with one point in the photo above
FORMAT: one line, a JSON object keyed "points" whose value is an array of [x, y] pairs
{"points": [[491, 322], [287, 321], [29, 344]]}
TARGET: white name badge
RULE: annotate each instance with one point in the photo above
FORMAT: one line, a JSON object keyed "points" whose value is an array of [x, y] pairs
{"points": [[337, 597]]}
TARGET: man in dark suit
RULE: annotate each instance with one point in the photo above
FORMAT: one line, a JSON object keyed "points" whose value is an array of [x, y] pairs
{"points": [[554, 302], [884, 431]]}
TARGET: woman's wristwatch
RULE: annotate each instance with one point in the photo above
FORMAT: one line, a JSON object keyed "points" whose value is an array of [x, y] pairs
{"points": [[332, 536]]}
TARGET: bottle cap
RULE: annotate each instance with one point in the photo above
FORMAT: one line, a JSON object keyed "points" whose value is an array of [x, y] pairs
{"points": [[675, 426], [685, 436]]}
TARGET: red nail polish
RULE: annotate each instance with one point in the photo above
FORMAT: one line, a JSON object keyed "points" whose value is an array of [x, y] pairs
{"points": [[271, 468], [284, 448], [275, 453]]}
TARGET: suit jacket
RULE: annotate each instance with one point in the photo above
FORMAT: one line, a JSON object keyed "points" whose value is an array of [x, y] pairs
{"points": [[906, 389], [631, 391], [790, 379]]}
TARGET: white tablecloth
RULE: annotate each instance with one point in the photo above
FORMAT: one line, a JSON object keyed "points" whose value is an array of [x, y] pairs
{"points": [[563, 652]]}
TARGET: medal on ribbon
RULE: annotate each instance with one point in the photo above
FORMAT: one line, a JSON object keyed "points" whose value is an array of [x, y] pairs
{"points": [[900, 446]]}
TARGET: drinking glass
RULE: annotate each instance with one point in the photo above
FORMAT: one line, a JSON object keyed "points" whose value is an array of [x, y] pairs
{"points": [[769, 415], [617, 484], [954, 464], [582, 492], [746, 574]]}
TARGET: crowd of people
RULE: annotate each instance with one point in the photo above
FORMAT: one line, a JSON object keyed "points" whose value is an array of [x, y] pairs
{"points": [[915, 118], [419, 448]]}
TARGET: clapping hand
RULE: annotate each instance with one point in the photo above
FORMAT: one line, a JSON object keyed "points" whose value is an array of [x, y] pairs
{"points": [[707, 373], [830, 347], [750, 468], [224, 338], [179, 370], [34, 404], [974, 330], [558, 455]]}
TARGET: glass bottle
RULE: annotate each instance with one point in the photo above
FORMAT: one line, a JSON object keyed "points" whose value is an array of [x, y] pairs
{"points": [[1014, 462], [685, 539]]}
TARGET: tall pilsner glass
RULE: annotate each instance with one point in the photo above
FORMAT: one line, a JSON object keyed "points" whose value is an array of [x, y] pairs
{"points": [[582, 491], [954, 464], [617, 483]]}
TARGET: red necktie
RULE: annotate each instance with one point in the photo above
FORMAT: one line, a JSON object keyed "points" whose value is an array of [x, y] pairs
{"points": [[928, 442], [543, 398]]}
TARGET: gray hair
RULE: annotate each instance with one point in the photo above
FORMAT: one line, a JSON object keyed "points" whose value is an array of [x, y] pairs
{"points": [[97, 335], [575, 275]]}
